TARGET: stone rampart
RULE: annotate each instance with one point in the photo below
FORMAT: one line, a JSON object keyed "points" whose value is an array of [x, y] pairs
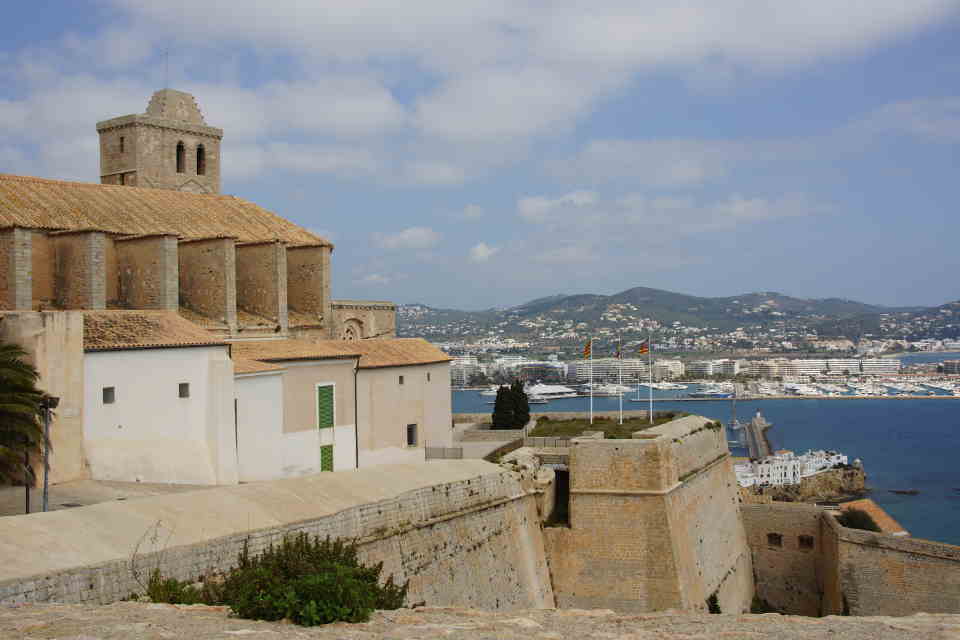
{"points": [[464, 532], [648, 530], [787, 548], [878, 574]]}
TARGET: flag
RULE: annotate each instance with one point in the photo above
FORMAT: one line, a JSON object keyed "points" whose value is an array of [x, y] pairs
{"points": [[588, 348], [644, 347]]}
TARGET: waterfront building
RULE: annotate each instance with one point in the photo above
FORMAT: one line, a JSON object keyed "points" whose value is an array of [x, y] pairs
{"points": [[700, 368], [609, 369], [786, 468], [547, 371], [462, 368], [880, 366], [667, 369], [951, 367]]}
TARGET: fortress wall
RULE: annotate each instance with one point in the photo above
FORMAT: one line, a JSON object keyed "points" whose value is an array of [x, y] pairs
{"points": [[464, 533], [790, 576], [878, 574], [643, 537], [709, 540]]}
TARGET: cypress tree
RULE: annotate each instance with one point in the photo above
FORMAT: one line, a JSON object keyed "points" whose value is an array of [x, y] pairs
{"points": [[521, 405], [503, 415]]}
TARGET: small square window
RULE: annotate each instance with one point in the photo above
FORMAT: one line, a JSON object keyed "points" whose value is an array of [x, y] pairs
{"points": [[109, 395], [411, 435], [184, 391], [774, 539], [401, 379], [806, 542]]}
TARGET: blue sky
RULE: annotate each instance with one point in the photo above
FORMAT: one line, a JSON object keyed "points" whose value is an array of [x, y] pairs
{"points": [[483, 152]]}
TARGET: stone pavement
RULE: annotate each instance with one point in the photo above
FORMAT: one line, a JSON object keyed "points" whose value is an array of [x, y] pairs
{"points": [[84, 492], [145, 621]]}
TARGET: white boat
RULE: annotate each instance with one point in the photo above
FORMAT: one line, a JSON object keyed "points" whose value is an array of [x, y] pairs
{"points": [[536, 400], [549, 391], [603, 390], [492, 391]]}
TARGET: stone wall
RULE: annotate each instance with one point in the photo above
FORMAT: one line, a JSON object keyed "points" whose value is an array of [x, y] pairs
{"points": [[208, 278], [80, 270], [464, 533], [53, 341], [16, 269], [652, 525], [43, 264], [877, 574], [262, 280], [353, 319], [308, 282], [788, 570], [147, 272]]}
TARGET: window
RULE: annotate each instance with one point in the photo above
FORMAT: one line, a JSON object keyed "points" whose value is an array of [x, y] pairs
{"points": [[184, 390], [121, 144], [411, 435], [201, 160], [806, 542], [326, 457], [774, 539], [325, 408], [122, 179], [428, 376], [109, 395], [401, 379], [180, 157]]}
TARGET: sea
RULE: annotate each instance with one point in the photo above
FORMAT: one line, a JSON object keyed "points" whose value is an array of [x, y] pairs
{"points": [[903, 443]]}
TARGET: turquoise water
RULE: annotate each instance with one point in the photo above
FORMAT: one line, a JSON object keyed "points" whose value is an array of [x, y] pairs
{"points": [[904, 444]]}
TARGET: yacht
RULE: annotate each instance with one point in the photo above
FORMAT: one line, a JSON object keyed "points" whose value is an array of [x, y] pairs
{"points": [[492, 391], [549, 391]]}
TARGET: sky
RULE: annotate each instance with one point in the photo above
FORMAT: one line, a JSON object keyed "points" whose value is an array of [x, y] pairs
{"points": [[482, 153]]}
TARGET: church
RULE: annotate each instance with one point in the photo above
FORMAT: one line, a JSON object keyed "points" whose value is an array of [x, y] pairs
{"points": [[191, 336]]}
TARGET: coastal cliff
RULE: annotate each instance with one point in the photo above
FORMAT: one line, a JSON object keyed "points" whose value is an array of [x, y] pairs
{"points": [[829, 485]]}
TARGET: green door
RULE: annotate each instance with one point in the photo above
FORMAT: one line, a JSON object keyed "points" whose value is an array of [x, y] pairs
{"points": [[326, 457]]}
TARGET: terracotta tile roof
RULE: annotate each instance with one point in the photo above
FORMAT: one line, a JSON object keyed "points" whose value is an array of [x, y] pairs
{"points": [[111, 330], [384, 352], [393, 352], [54, 204], [883, 519], [290, 349], [241, 365]]}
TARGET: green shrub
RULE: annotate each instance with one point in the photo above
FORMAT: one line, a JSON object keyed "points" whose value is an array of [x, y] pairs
{"points": [[858, 519], [713, 606], [308, 581]]}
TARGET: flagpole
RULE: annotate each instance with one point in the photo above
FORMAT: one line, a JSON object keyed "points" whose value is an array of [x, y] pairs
{"points": [[620, 375], [591, 380], [650, 368]]}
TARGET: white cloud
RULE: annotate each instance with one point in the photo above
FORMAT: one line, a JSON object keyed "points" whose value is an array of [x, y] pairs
{"points": [[657, 163], [540, 208], [482, 252], [410, 238], [375, 278], [937, 119], [471, 212]]}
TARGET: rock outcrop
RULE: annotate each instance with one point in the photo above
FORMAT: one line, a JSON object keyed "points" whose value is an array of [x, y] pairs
{"points": [[833, 484]]}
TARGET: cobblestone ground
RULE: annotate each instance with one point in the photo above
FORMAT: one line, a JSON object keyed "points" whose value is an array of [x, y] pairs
{"points": [[153, 621]]}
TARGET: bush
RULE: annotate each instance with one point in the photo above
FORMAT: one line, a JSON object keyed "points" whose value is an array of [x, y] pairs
{"points": [[308, 581], [858, 519]]}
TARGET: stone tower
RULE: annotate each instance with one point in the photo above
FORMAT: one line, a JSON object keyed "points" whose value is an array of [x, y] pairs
{"points": [[168, 147]]}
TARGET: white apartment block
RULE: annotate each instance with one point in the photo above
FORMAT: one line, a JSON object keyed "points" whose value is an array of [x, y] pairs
{"points": [[786, 468]]}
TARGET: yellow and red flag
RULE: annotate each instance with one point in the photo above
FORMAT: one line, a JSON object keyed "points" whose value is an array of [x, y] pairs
{"points": [[644, 347], [588, 348]]}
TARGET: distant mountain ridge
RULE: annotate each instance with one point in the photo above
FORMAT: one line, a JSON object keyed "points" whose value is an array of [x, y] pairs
{"points": [[831, 316]]}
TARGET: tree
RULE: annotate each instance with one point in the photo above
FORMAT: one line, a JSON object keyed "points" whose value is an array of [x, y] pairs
{"points": [[502, 417], [521, 405], [20, 412]]}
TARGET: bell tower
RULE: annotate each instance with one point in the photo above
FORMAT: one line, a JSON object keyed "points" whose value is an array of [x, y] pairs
{"points": [[168, 147]]}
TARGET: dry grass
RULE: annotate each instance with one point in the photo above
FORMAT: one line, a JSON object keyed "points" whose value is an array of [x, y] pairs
{"points": [[548, 426]]}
